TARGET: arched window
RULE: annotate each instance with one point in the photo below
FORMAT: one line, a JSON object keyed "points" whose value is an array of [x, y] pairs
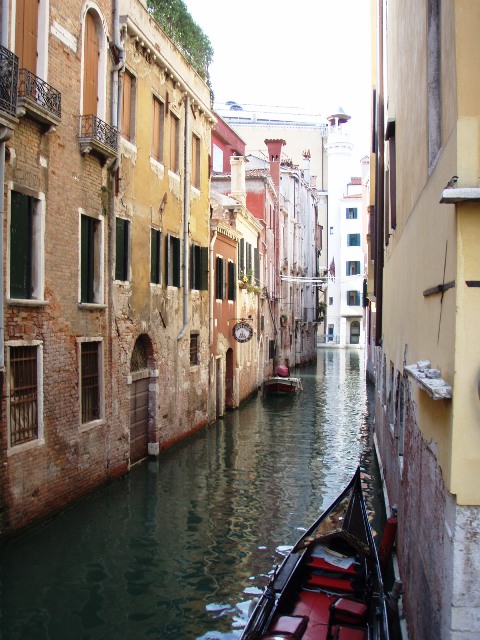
{"points": [[354, 332], [94, 64]]}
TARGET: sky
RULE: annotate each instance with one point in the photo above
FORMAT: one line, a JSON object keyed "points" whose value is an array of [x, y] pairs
{"points": [[310, 54]]}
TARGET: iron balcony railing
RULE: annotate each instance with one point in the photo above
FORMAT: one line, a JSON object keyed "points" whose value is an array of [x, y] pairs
{"points": [[33, 88], [8, 81], [96, 130]]}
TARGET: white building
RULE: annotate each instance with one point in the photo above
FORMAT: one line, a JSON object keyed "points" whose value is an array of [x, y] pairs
{"points": [[346, 246]]}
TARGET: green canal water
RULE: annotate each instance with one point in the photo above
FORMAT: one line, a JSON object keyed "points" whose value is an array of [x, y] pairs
{"points": [[178, 548]]}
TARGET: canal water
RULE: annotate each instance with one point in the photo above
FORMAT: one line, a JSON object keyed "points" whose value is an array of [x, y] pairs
{"points": [[179, 547]]}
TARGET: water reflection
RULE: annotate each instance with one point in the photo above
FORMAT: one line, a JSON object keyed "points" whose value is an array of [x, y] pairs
{"points": [[179, 547]]}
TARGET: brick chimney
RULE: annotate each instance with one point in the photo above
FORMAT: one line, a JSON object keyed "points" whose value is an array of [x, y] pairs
{"points": [[274, 156], [239, 191]]}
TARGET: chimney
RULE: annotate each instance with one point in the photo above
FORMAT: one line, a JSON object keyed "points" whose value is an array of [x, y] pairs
{"points": [[274, 156], [238, 192]]}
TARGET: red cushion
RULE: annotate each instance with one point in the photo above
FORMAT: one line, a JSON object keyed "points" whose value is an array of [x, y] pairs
{"points": [[320, 563], [347, 610], [294, 625], [348, 633], [338, 584]]}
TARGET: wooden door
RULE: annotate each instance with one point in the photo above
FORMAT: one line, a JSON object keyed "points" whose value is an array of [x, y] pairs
{"points": [[139, 420], [90, 69]]}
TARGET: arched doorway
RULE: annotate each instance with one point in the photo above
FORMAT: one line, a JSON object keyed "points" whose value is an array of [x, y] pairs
{"points": [[140, 366], [354, 332], [229, 401]]}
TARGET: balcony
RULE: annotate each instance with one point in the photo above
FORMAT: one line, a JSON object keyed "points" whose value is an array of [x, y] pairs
{"points": [[39, 99], [8, 90], [98, 137]]}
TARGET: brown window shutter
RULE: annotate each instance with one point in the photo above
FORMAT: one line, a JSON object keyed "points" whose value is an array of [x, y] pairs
{"points": [[90, 74], [157, 129], [26, 34], [127, 105]]}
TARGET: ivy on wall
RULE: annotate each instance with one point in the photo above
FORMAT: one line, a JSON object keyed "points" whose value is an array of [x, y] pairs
{"points": [[174, 18]]}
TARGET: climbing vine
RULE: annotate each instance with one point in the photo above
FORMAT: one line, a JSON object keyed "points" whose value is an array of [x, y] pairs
{"points": [[174, 18]]}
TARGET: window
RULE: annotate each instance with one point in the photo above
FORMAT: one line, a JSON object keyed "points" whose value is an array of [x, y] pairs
{"points": [[353, 240], [23, 394], [232, 281], [121, 249], [196, 161], [26, 247], [353, 298], [217, 159], [330, 300], [248, 252], [128, 106], [331, 231], [434, 77], [90, 260], [220, 279], [90, 367], [26, 34], [271, 349], [355, 332], [352, 213], [172, 261], [174, 143], [194, 345], [155, 255], [158, 129], [198, 267], [353, 268]]}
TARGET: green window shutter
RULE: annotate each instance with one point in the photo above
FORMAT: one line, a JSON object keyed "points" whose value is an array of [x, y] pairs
{"points": [[168, 271], [21, 222], [121, 249], [87, 259], [204, 268], [192, 265], [232, 281], [256, 265], [241, 255], [155, 237], [176, 261]]}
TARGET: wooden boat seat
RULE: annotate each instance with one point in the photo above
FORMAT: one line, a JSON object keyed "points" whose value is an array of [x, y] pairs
{"points": [[288, 627], [331, 583], [320, 563], [347, 610], [348, 633]]}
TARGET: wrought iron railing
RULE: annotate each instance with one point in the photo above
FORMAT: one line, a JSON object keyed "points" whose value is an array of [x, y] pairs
{"points": [[93, 128], [34, 88], [8, 81]]}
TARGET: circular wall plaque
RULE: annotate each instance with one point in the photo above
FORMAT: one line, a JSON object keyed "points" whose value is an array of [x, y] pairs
{"points": [[242, 332]]}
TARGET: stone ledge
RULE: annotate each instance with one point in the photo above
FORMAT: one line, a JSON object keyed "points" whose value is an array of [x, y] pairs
{"points": [[463, 194], [429, 380]]}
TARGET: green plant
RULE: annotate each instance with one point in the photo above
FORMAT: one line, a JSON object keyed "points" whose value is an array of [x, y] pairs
{"points": [[174, 18]]}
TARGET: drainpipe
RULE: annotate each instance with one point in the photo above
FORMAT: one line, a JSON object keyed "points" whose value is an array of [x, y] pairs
{"points": [[212, 288], [4, 135], [186, 216]]}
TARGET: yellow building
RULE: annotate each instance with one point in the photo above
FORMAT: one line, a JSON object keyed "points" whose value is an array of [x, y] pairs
{"points": [[160, 292], [425, 247]]}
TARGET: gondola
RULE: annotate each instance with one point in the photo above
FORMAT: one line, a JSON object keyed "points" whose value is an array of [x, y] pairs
{"points": [[329, 587]]}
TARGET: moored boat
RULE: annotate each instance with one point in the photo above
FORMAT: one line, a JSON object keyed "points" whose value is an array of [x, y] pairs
{"points": [[282, 383], [329, 587]]}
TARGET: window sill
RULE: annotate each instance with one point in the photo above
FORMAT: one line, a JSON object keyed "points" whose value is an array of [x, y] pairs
{"points": [[91, 306], [26, 446], [18, 302], [174, 175], [88, 426], [429, 380]]}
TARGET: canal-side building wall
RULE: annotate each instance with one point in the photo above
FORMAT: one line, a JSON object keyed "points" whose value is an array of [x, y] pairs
{"points": [[426, 260], [160, 284], [58, 412]]}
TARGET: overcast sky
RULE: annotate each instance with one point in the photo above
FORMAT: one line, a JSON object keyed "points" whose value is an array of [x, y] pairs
{"points": [[311, 54]]}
